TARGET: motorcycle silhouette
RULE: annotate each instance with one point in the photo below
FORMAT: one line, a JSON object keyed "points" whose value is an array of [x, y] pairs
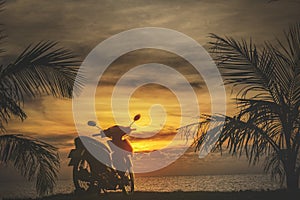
{"points": [[93, 176]]}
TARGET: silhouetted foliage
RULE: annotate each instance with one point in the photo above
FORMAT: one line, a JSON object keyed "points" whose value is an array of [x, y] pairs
{"points": [[32, 158], [268, 122], [40, 69]]}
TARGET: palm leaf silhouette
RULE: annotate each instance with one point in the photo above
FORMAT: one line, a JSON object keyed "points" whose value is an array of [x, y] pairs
{"points": [[268, 122], [32, 158], [41, 69]]}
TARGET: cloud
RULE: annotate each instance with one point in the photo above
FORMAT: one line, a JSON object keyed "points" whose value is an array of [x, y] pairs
{"points": [[62, 141], [81, 25], [148, 136]]}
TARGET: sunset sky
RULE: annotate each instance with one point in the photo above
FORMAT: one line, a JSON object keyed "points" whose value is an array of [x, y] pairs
{"points": [[81, 25]]}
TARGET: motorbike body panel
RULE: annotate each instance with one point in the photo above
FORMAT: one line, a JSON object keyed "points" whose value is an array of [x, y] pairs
{"points": [[75, 155], [104, 174]]}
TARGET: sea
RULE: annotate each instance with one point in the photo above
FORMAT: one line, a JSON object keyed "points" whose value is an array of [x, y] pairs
{"points": [[241, 182]]}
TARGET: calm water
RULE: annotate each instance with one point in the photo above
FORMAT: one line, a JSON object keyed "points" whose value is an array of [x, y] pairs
{"points": [[161, 184]]}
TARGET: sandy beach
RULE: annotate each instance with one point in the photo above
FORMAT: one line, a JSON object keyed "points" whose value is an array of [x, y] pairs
{"points": [[243, 195]]}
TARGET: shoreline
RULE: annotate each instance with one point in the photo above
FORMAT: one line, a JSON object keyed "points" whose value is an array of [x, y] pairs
{"points": [[178, 195]]}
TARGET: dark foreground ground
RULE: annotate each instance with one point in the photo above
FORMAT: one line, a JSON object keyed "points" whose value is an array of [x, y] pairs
{"points": [[244, 195]]}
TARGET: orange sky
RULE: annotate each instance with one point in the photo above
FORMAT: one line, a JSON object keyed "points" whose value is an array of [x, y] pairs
{"points": [[53, 117], [81, 25], [56, 117]]}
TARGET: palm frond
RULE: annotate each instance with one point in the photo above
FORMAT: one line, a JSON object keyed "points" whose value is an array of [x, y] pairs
{"points": [[33, 158], [264, 114], [288, 57], [8, 108], [237, 135], [242, 64], [42, 69], [268, 122], [274, 166]]}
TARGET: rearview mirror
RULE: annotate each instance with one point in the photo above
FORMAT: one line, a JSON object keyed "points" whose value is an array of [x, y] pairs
{"points": [[137, 117], [91, 123]]}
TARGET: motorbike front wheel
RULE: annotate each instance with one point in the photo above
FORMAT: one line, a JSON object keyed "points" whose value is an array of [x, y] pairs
{"points": [[128, 183]]}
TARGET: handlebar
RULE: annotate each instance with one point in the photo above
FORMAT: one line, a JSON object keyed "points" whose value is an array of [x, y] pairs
{"points": [[102, 134], [97, 134], [93, 123]]}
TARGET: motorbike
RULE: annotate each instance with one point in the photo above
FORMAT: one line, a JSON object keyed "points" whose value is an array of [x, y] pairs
{"points": [[93, 176]]}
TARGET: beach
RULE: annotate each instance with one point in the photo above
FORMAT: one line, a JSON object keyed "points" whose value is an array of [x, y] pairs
{"points": [[158, 185], [218, 187], [244, 195]]}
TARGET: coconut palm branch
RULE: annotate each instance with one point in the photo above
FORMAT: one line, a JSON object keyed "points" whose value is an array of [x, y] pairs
{"points": [[9, 107], [41, 69], [32, 158], [268, 123]]}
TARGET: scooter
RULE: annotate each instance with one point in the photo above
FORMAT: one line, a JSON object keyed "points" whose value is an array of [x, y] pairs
{"points": [[93, 176]]}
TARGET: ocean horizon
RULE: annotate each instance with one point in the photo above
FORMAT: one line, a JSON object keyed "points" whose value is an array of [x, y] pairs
{"points": [[212, 183]]}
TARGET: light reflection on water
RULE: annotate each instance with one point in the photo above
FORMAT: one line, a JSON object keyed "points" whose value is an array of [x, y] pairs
{"points": [[161, 184], [206, 183]]}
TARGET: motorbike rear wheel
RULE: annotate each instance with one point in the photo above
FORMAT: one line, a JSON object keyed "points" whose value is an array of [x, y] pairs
{"points": [[128, 183], [82, 176], [85, 181]]}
